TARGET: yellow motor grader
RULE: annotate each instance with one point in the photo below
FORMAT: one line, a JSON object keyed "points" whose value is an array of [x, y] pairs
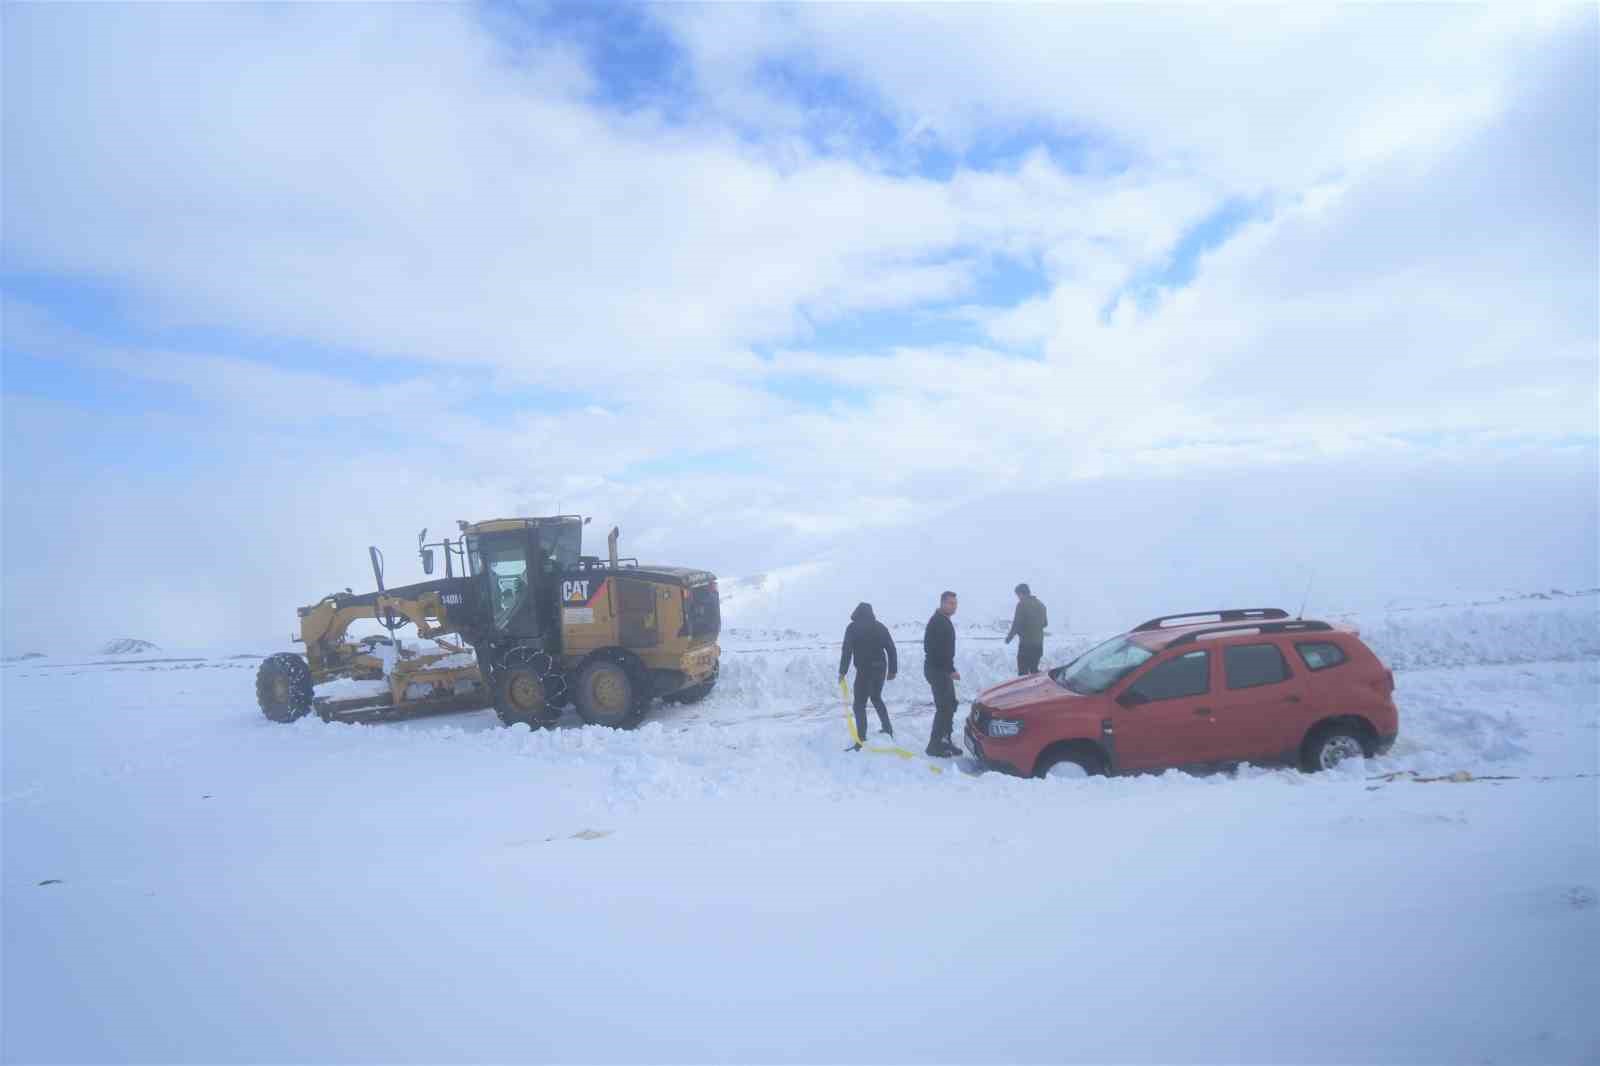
{"points": [[521, 620]]}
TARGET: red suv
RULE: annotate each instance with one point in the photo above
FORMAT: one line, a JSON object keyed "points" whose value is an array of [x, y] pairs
{"points": [[1194, 690]]}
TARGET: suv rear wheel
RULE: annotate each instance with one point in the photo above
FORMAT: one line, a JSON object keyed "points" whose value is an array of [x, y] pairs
{"points": [[1330, 745]]}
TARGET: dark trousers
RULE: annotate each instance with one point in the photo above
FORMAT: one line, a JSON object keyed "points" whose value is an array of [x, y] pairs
{"points": [[1028, 656], [944, 704], [869, 686]]}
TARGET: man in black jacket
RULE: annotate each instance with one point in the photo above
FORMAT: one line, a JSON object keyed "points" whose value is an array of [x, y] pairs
{"points": [[867, 640], [1028, 624], [939, 667]]}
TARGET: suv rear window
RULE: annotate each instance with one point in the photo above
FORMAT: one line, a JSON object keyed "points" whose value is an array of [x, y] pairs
{"points": [[1319, 655], [1249, 665]]}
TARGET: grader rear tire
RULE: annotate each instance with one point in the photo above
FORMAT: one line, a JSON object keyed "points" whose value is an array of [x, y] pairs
{"points": [[609, 695], [283, 687]]}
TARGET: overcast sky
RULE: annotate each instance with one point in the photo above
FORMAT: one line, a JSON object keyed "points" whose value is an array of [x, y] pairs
{"points": [[762, 283]]}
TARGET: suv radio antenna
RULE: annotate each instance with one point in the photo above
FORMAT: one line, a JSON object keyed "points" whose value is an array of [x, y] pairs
{"points": [[1303, 599]]}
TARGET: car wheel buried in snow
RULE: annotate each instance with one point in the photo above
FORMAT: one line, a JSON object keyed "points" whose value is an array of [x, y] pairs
{"points": [[1331, 747], [1066, 769]]}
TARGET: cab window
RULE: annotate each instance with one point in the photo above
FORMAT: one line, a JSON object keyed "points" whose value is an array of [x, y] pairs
{"points": [[1250, 665], [507, 562], [1187, 675]]}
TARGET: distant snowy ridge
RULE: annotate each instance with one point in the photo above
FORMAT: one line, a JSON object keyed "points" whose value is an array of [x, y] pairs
{"points": [[128, 646]]}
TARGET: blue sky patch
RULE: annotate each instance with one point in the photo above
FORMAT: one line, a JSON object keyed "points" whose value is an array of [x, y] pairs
{"points": [[1183, 263]]}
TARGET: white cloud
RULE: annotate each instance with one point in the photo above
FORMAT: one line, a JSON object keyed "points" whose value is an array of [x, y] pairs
{"points": [[393, 188]]}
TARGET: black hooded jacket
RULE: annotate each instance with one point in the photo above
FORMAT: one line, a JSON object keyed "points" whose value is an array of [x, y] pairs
{"points": [[867, 640]]}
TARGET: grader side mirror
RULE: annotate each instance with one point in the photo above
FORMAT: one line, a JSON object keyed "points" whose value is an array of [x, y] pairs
{"points": [[427, 560]]}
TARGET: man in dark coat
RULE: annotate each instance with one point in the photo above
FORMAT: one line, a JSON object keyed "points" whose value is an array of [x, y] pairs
{"points": [[939, 667], [867, 641], [1028, 624]]}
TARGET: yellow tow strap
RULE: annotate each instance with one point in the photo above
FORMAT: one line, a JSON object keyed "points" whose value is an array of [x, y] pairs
{"points": [[850, 720]]}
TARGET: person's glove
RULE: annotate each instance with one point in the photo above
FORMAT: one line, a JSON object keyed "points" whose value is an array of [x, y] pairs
{"points": [[890, 677], [1010, 638], [841, 679]]}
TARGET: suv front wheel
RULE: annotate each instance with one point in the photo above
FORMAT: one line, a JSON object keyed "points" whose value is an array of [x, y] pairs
{"points": [[1075, 761], [1333, 744]]}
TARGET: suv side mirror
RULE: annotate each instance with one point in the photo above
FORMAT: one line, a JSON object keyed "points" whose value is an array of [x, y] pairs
{"points": [[427, 560], [1132, 697]]}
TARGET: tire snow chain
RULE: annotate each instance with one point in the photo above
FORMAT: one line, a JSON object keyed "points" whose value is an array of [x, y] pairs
{"points": [[543, 664]]}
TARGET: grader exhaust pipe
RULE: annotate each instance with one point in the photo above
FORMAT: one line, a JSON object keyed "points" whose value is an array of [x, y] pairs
{"points": [[611, 545]]}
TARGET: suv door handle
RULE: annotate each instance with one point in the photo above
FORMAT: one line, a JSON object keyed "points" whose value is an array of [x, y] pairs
{"points": [[1202, 710], [1291, 699]]}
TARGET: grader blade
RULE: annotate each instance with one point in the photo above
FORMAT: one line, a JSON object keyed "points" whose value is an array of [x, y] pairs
{"points": [[383, 708]]}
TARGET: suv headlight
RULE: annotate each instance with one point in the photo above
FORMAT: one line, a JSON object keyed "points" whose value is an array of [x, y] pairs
{"points": [[1004, 727]]}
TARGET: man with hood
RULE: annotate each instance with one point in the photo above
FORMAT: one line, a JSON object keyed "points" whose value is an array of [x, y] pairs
{"points": [[1028, 625], [867, 641]]}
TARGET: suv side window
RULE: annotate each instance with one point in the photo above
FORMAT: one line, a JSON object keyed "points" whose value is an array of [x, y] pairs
{"points": [[1249, 665], [1187, 675], [1319, 655]]}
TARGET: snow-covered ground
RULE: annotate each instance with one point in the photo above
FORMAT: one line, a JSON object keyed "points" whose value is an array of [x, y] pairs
{"points": [[185, 881]]}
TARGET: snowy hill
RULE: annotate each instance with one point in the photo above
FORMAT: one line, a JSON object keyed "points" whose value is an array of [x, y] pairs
{"points": [[725, 883], [127, 646], [1106, 554]]}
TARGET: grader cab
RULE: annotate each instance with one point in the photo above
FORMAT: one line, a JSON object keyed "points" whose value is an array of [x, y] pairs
{"points": [[521, 620]]}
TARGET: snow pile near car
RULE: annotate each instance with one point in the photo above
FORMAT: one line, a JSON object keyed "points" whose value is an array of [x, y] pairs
{"points": [[1567, 630], [1519, 631]]}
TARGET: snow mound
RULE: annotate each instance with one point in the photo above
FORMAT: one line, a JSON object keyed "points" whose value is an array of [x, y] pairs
{"points": [[1487, 635], [127, 646]]}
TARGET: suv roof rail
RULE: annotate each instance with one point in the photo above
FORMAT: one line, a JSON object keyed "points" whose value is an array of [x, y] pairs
{"points": [[1296, 626], [1235, 614]]}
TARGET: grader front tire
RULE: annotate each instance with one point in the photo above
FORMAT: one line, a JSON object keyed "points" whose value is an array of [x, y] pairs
{"points": [[519, 696], [283, 687]]}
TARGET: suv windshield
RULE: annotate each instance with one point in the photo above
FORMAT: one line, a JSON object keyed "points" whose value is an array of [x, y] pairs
{"points": [[1101, 667]]}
